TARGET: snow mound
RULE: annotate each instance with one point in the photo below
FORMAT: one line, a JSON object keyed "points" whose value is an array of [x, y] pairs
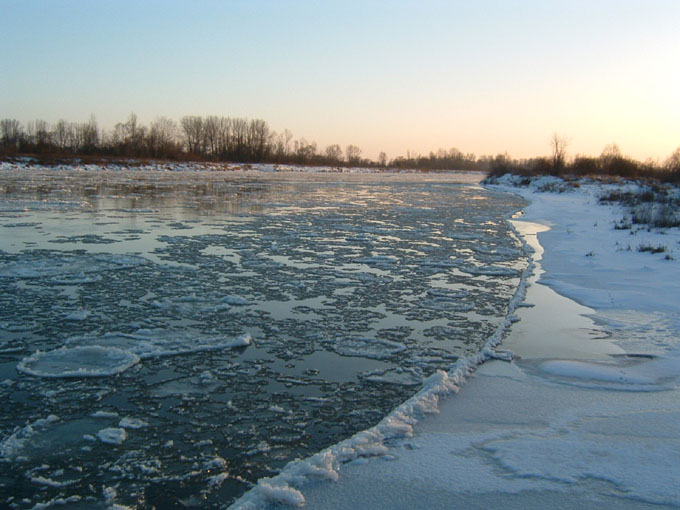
{"points": [[84, 361]]}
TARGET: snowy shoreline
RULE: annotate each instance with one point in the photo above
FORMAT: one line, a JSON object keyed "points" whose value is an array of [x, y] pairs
{"points": [[586, 393]]}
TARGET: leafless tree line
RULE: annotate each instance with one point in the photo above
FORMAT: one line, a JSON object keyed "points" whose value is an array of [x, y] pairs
{"points": [[253, 141], [193, 137]]}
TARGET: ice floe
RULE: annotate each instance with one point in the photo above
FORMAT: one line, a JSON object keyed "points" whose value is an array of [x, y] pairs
{"points": [[67, 268], [112, 435], [157, 343], [366, 347], [81, 361], [13, 444]]}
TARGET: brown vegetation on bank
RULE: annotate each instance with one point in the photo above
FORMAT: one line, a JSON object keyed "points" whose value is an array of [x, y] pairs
{"points": [[611, 163]]}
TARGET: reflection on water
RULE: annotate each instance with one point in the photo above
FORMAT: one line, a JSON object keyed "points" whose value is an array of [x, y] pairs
{"points": [[352, 288]]}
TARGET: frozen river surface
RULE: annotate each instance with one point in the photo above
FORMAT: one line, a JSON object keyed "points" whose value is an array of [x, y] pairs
{"points": [[169, 338]]}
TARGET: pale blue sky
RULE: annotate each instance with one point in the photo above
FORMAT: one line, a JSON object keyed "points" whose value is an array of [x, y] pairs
{"points": [[483, 76]]}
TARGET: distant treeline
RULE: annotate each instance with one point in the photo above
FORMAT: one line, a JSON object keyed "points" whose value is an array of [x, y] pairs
{"points": [[241, 140], [198, 138]]}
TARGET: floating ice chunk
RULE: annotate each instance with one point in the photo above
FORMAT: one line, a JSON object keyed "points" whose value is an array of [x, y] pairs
{"points": [[439, 264], [157, 343], [79, 315], [403, 376], [85, 361], [132, 423], [215, 463], [377, 260], [6, 348], [12, 445], [448, 295], [76, 279], [60, 265], [367, 347], [112, 435], [235, 301], [41, 480], [216, 481], [490, 270], [206, 379], [104, 414], [278, 409], [57, 502]]}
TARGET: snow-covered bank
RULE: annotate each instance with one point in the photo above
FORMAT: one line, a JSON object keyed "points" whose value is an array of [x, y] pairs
{"points": [[589, 417], [29, 163]]}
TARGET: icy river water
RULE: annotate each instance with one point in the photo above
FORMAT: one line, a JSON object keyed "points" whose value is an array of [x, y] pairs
{"points": [[168, 338]]}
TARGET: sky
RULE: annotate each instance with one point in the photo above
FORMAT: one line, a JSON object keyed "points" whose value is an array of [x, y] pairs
{"points": [[485, 76]]}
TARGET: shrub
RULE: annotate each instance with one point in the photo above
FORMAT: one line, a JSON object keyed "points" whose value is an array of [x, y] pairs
{"points": [[652, 249]]}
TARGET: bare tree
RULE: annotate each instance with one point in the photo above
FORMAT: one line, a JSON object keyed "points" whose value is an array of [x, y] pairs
{"points": [[239, 135], [610, 153], [211, 135], [382, 159], [353, 154], [43, 137], [673, 162], [87, 136], [63, 134], [163, 136], [259, 139], [193, 133], [282, 144], [558, 145], [334, 153], [10, 132], [305, 152]]}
